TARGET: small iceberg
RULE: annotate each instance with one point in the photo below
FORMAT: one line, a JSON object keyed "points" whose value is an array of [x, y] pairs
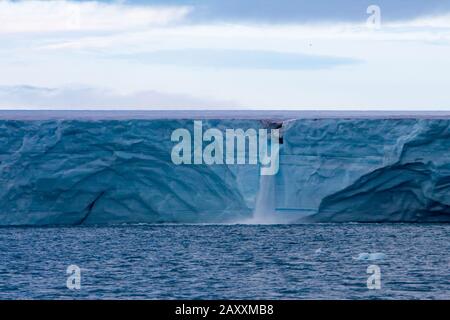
{"points": [[365, 256]]}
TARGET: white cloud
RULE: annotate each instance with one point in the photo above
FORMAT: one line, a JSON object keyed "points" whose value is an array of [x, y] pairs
{"points": [[406, 63], [89, 98], [63, 15], [252, 37], [431, 21]]}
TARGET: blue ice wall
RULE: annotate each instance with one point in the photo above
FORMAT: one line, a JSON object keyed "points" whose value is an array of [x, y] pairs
{"points": [[369, 170], [95, 172], [119, 171]]}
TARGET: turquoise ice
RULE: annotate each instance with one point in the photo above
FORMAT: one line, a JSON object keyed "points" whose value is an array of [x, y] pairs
{"points": [[73, 172]]}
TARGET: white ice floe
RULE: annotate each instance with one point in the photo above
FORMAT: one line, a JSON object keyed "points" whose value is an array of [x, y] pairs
{"points": [[371, 256]]}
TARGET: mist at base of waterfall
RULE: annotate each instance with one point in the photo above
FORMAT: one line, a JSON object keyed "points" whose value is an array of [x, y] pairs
{"points": [[264, 211]]}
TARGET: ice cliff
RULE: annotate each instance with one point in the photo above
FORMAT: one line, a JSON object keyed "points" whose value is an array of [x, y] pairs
{"points": [[371, 170], [74, 172]]}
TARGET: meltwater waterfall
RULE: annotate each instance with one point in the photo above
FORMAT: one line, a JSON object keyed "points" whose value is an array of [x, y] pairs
{"points": [[264, 212]]}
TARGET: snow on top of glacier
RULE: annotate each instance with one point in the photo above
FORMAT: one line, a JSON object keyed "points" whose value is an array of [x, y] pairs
{"points": [[213, 114]]}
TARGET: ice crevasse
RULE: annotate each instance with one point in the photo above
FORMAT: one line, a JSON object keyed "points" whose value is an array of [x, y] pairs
{"points": [[79, 172]]}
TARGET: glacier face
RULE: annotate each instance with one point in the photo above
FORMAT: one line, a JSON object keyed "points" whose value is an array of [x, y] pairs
{"points": [[370, 170], [73, 172], [94, 172]]}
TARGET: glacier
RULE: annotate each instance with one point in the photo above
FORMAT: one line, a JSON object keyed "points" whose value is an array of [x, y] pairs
{"points": [[114, 171]]}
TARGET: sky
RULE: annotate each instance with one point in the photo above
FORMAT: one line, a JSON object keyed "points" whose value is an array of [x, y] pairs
{"points": [[225, 54]]}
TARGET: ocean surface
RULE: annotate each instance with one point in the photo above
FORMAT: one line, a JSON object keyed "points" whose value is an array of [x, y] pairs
{"points": [[309, 261]]}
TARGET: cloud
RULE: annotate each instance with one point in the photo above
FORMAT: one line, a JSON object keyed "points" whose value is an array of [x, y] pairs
{"points": [[252, 37], [426, 21], [62, 15], [88, 98], [72, 15], [240, 59], [261, 58], [301, 11]]}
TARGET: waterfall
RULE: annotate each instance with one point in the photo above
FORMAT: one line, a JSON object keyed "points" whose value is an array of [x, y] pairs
{"points": [[264, 211]]}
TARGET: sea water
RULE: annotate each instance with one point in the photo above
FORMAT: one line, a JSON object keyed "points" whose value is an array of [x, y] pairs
{"points": [[306, 261]]}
